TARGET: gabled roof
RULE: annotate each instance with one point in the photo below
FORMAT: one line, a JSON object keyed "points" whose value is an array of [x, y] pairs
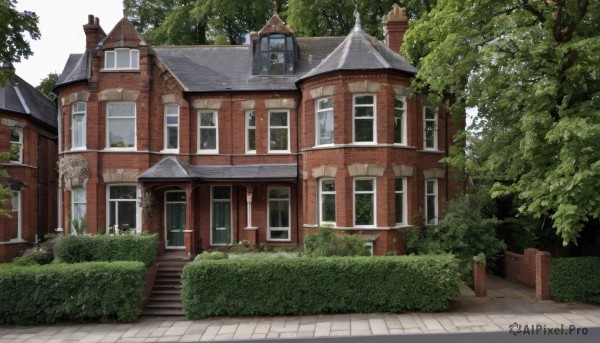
{"points": [[171, 168], [18, 96], [359, 51]]}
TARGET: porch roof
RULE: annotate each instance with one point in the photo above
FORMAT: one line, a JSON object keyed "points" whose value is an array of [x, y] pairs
{"points": [[170, 168]]}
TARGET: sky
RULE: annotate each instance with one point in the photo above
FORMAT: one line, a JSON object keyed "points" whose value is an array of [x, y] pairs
{"points": [[61, 25]]}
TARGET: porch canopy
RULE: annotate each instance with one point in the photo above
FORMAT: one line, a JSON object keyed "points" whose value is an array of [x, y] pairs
{"points": [[170, 168]]}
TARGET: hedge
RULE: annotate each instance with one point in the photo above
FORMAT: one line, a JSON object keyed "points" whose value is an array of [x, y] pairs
{"points": [[83, 291], [298, 286], [75, 249], [576, 279]]}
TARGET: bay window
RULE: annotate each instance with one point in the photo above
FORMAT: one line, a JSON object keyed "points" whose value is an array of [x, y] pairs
{"points": [[324, 121], [120, 127], [364, 202], [364, 119], [78, 126]]}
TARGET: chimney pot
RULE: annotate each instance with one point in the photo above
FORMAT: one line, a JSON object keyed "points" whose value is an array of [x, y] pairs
{"points": [[97, 21], [90, 19]]}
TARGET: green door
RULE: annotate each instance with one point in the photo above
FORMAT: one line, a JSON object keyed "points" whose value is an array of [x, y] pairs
{"points": [[175, 219], [221, 215]]}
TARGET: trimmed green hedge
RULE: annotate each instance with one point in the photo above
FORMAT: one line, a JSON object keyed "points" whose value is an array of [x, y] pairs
{"points": [[299, 286], [83, 291], [576, 279], [75, 249]]}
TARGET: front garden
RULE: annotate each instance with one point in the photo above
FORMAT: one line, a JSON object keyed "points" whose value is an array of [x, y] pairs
{"points": [[82, 278]]}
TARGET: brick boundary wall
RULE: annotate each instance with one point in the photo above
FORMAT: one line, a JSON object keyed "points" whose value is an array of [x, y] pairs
{"points": [[479, 278], [531, 269]]}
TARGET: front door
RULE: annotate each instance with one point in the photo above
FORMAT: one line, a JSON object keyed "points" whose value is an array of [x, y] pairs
{"points": [[175, 219], [221, 215]]}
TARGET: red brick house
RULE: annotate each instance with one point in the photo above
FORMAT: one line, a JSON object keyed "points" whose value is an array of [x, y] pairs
{"points": [[209, 145], [28, 128]]}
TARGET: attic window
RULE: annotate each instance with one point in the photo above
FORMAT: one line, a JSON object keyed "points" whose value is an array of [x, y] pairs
{"points": [[275, 55], [122, 59]]}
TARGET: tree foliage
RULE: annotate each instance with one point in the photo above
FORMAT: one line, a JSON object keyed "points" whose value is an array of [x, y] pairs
{"points": [[531, 68], [209, 21], [13, 27], [47, 85], [336, 17]]}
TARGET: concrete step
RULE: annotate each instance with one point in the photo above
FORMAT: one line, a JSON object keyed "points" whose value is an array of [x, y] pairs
{"points": [[159, 312], [166, 287], [167, 281], [164, 305], [156, 298], [166, 291]]}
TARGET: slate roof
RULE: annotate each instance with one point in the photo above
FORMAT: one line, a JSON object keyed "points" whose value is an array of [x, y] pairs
{"points": [[171, 168], [229, 68], [18, 96], [359, 51], [75, 69]]}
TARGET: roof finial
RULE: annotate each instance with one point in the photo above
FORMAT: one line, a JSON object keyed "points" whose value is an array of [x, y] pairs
{"points": [[274, 7], [357, 25]]}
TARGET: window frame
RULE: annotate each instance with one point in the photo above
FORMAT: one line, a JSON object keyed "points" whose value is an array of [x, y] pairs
{"points": [[19, 214], [289, 209], [21, 134], [167, 126], [74, 203], [108, 118], [288, 52], [81, 128], [370, 246], [373, 118], [215, 128], [138, 227], [114, 58], [436, 200], [247, 131], [320, 201], [403, 121], [319, 111], [435, 128], [404, 208], [374, 195], [287, 127]]}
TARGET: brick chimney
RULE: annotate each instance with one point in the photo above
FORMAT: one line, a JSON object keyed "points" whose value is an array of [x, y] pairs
{"points": [[93, 32], [395, 25]]}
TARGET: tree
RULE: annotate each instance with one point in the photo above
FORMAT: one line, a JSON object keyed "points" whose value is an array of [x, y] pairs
{"points": [[336, 17], [166, 22], [205, 21], [47, 85], [531, 69], [13, 26]]}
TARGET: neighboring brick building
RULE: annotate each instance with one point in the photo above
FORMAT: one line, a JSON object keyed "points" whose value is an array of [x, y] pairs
{"points": [[28, 128], [261, 142]]}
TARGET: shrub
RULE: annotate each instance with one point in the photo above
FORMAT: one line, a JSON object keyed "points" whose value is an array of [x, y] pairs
{"points": [[74, 249], [299, 286], [41, 253], [215, 255], [84, 291], [326, 242], [576, 279], [464, 232]]}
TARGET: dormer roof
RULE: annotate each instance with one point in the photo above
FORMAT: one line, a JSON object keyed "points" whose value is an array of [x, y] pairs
{"points": [[275, 24]]}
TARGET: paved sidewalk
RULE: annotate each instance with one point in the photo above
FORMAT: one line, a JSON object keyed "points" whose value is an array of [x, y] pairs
{"points": [[505, 304]]}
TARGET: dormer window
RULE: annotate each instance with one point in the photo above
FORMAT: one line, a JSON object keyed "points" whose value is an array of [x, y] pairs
{"points": [[122, 59], [275, 54]]}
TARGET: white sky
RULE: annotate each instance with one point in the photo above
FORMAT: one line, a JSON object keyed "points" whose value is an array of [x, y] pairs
{"points": [[61, 25]]}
